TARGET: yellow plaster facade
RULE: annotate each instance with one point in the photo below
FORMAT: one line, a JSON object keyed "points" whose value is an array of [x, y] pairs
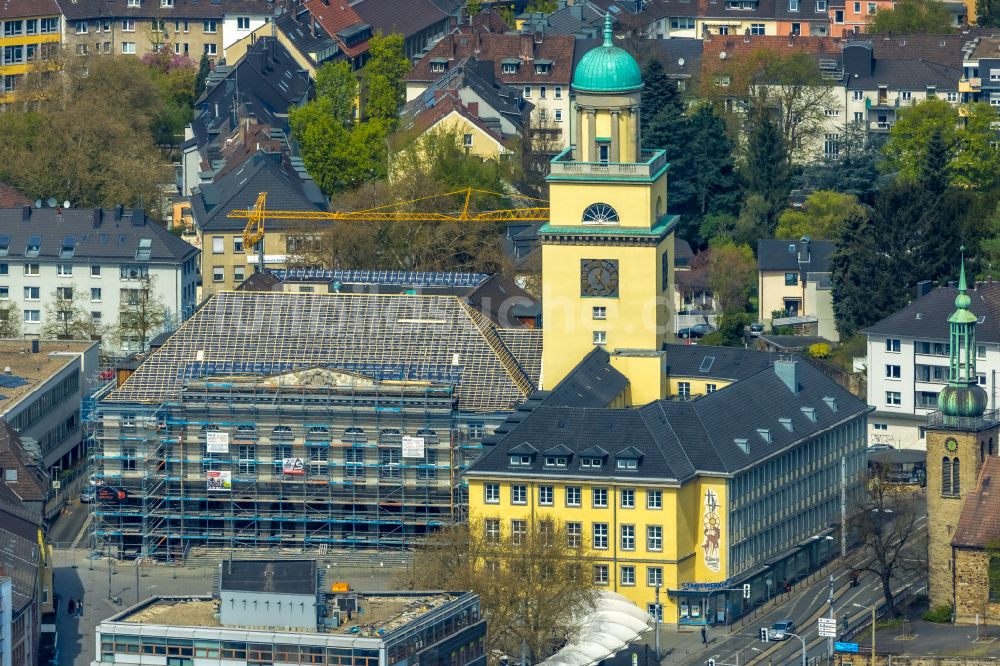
{"points": [[27, 41], [639, 533]]}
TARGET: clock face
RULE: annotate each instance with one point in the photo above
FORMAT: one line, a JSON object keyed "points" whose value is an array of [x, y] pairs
{"points": [[599, 277], [951, 444]]}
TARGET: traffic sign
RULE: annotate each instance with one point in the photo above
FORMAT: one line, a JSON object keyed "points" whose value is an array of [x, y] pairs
{"points": [[845, 647], [828, 627]]}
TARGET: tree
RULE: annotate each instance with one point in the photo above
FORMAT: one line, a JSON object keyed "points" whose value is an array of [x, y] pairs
{"points": [[855, 169], [204, 69], [473, 7], [908, 16], [67, 317], [534, 586], [910, 138], [766, 171], [337, 86], [822, 216], [141, 316], [858, 273], [887, 523], [10, 320], [990, 243], [732, 330], [705, 183], [385, 70], [732, 274], [975, 164], [988, 13]]}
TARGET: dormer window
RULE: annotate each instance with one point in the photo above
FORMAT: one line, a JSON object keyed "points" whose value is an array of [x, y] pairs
{"points": [[439, 65], [764, 433], [145, 249], [509, 66], [743, 444], [627, 463], [543, 67], [591, 463], [34, 246], [4, 245], [555, 461], [788, 425], [68, 247], [520, 460], [830, 402], [810, 413]]}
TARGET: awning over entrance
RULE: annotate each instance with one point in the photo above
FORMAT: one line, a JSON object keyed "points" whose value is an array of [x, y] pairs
{"points": [[793, 321], [614, 623]]}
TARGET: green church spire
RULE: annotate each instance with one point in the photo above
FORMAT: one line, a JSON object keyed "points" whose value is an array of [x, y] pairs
{"points": [[963, 396], [608, 41]]}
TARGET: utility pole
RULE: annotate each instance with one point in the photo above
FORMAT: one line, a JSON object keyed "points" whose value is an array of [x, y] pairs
{"points": [[829, 640], [843, 507]]}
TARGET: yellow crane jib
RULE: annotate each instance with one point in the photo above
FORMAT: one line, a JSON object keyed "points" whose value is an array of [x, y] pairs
{"points": [[254, 231], [397, 212]]}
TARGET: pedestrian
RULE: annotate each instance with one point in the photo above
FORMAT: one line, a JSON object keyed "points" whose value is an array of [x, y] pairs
{"points": [[72, 606], [704, 636], [79, 608]]}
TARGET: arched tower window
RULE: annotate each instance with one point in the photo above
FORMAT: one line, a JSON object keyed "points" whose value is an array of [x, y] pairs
{"points": [[956, 484], [600, 213], [946, 476]]}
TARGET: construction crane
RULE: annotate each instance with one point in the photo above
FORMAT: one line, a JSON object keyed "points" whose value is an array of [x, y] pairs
{"points": [[396, 212]]}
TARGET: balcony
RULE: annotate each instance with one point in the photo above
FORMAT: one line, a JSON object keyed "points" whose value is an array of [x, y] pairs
{"points": [[880, 125], [937, 420], [971, 84], [562, 165]]}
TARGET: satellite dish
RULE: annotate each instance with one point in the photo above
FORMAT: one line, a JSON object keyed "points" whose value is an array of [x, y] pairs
{"points": [[722, 55], [51, 202], [66, 203], [680, 62], [38, 203]]}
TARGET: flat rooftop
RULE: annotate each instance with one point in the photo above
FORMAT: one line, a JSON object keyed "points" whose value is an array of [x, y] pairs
{"points": [[380, 613], [28, 370]]}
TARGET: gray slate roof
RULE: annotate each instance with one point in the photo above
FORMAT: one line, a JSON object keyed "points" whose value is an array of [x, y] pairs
{"points": [[95, 233], [403, 16], [238, 190], [271, 577], [926, 318], [19, 556], [84, 9], [907, 75], [680, 439], [710, 362], [774, 255]]}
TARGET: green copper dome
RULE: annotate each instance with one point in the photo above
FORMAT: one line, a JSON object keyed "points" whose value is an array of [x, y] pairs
{"points": [[607, 68], [967, 400]]}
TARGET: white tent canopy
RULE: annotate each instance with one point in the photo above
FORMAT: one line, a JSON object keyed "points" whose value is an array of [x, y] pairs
{"points": [[614, 623]]}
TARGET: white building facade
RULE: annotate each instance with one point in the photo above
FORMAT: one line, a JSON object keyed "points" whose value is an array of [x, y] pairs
{"points": [[908, 363]]}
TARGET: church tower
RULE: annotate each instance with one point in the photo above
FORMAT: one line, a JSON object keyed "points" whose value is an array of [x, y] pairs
{"points": [[607, 251], [959, 438]]}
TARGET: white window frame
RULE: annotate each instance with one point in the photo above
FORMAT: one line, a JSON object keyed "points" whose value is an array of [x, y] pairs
{"points": [[128, 25], [491, 493], [128, 48], [518, 494]]}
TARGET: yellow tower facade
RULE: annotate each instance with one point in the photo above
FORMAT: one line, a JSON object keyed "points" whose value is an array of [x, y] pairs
{"points": [[607, 258]]}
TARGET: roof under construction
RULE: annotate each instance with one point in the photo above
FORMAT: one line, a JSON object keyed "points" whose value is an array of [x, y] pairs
{"points": [[401, 337]]}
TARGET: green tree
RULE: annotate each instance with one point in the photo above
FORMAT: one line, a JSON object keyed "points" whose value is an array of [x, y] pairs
{"points": [[705, 184], [854, 170], [204, 69], [822, 216], [988, 13], [473, 7], [732, 330], [141, 316], [910, 138], [909, 16], [756, 220], [385, 70], [10, 320], [990, 244], [975, 164], [766, 171], [67, 318], [337, 87], [732, 274], [858, 275]]}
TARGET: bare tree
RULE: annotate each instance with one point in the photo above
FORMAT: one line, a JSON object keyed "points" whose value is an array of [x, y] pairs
{"points": [[533, 577], [66, 318], [141, 316], [885, 520], [10, 320]]}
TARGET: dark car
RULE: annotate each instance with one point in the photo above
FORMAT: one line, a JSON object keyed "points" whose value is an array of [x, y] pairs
{"points": [[756, 329], [694, 332]]}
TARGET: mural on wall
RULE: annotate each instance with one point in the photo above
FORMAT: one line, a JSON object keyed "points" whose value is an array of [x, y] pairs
{"points": [[712, 530]]}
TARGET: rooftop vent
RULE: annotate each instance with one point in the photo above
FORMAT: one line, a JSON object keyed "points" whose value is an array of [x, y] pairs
{"points": [[787, 371]]}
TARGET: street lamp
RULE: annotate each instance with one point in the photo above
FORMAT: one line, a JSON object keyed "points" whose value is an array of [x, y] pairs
{"points": [[656, 617], [873, 626]]}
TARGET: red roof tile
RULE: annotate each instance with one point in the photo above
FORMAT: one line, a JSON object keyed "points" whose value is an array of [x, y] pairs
{"points": [[979, 524], [495, 47], [739, 48], [10, 9], [334, 17], [10, 197]]}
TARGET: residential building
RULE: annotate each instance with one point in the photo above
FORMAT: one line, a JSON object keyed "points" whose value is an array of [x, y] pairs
{"points": [[538, 65], [23, 472], [282, 612], [32, 32], [908, 354], [225, 263], [356, 409], [136, 27], [691, 499], [44, 384], [981, 71], [422, 23], [26, 589], [241, 102], [848, 18], [793, 278], [489, 117], [104, 259]]}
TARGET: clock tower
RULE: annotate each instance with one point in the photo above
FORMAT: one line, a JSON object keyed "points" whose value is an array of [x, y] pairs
{"points": [[959, 437], [607, 251]]}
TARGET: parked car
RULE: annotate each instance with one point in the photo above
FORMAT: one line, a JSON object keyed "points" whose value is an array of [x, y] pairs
{"points": [[696, 331], [756, 329], [781, 630], [88, 495], [881, 447]]}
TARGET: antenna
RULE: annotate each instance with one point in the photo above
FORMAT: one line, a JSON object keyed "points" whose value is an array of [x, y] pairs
{"points": [[51, 202], [66, 203]]}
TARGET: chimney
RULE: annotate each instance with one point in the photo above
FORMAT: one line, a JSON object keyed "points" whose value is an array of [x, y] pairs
{"points": [[924, 287], [473, 108], [706, 34], [576, 11], [746, 35], [138, 217], [804, 254], [35, 346], [527, 46], [98, 217], [787, 371], [119, 211], [791, 39]]}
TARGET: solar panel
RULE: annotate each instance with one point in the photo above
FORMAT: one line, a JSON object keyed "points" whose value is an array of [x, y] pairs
{"points": [[706, 364]]}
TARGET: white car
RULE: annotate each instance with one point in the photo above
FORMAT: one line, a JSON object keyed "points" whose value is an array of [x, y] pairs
{"points": [[781, 631]]}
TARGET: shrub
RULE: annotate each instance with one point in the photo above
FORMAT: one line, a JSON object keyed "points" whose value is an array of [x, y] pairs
{"points": [[940, 614], [820, 350]]}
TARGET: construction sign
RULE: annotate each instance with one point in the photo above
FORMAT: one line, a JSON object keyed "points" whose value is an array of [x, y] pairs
{"points": [[293, 466], [413, 447], [219, 480]]}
